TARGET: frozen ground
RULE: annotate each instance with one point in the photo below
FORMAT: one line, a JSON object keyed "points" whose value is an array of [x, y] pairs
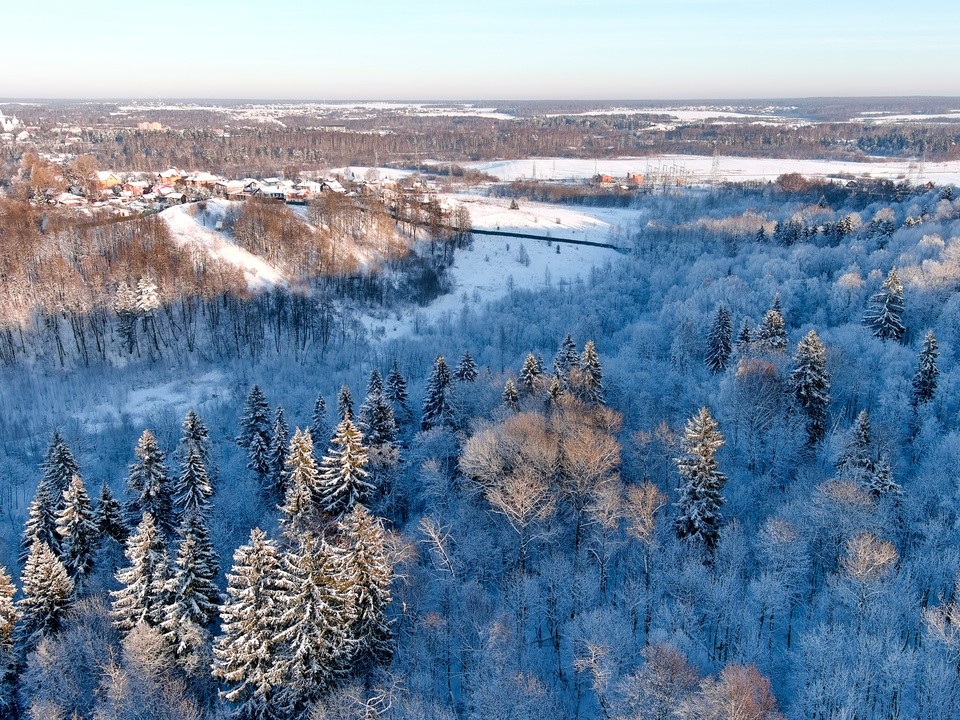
{"points": [[699, 168], [194, 228], [494, 265]]}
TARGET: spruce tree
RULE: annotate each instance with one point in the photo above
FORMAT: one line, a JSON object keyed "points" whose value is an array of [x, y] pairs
{"points": [[719, 342], [194, 435], [78, 531], [109, 516], [47, 595], [368, 575], [744, 339], [300, 504], [343, 475], [276, 487], [856, 460], [466, 370], [438, 402], [58, 467], [344, 403], [590, 386], [313, 627], [259, 458], [41, 525], [9, 617], [141, 596], [510, 396], [701, 482], [881, 483], [396, 392], [771, 335], [530, 374], [149, 483], [567, 357], [245, 652], [811, 385], [193, 491], [319, 424], [883, 316], [925, 379], [255, 419], [376, 419]]}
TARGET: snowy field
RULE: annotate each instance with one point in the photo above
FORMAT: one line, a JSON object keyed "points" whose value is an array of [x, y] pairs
{"points": [[699, 168], [494, 265]]}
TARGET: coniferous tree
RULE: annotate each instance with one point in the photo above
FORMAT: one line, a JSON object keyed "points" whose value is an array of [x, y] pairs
{"points": [[259, 458], [78, 531], [141, 596], [811, 385], [881, 481], [368, 576], [41, 525], [567, 357], [255, 419], [744, 339], [195, 436], [301, 501], [343, 475], [319, 424], [438, 403], [925, 379], [47, 595], [771, 335], [701, 482], [149, 483], [313, 628], [466, 370], [530, 374], [396, 392], [510, 396], [719, 342], [193, 491], [344, 403], [590, 385], [856, 460], [245, 652], [108, 516], [556, 390], [9, 617], [376, 419], [58, 467], [883, 316], [279, 444]]}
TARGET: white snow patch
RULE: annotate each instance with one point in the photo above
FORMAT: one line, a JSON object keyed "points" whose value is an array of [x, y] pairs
{"points": [[185, 223]]}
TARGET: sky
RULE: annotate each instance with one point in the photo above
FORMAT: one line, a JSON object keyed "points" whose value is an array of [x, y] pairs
{"points": [[485, 49]]}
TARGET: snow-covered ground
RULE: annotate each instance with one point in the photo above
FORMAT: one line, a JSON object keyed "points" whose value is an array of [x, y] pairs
{"points": [[494, 265], [699, 168], [193, 228]]}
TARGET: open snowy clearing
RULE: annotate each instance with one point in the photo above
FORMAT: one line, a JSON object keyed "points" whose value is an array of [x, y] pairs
{"points": [[699, 168], [193, 228], [496, 265]]}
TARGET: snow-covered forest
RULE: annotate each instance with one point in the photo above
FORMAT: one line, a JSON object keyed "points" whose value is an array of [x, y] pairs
{"points": [[712, 477]]}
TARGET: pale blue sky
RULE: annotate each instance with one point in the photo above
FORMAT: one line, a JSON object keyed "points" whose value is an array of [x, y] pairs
{"points": [[420, 49]]}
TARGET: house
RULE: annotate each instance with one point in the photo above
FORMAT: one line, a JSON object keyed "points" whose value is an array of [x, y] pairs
{"points": [[108, 180], [202, 180], [175, 198], [70, 200], [603, 179], [136, 188], [634, 179], [272, 192], [171, 176]]}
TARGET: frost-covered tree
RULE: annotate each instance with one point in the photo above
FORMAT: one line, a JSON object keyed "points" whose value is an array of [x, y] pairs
{"points": [[279, 444], [701, 482], [719, 341], [567, 357], [396, 392], [41, 524], [149, 484], [300, 504], [880, 481], [771, 335], [140, 598], [192, 491], [375, 418], [245, 652], [58, 467], [259, 458], [811, 385], [109, 516], [47, 595], [368, 575], [590, 375], [530, 374], [925, 379], [78, 531], [466, 370], [194, 435], [343, 476], [344, 403], [438, 404], [254, 419], [125, 306], [313, 627], [744, 339], [884, 315], [856, 459], [510, 396], [9, 617], [319, 423]]}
